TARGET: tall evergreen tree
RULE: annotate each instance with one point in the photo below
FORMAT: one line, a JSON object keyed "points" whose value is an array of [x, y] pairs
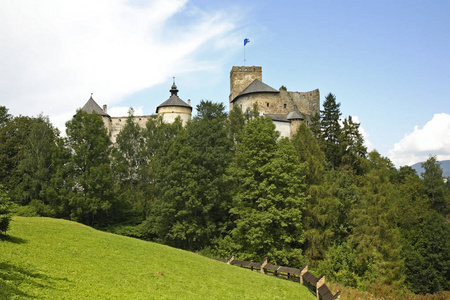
{"points": [[375, 233], [352, 147], [425, 236], [434, 185], [331, 130]]}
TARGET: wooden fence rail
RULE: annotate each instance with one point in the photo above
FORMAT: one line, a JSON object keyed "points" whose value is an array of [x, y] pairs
{"points": [[316, 285]]}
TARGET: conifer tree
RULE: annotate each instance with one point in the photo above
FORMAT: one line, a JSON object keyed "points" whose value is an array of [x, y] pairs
{"points": [[375, 233], [435, 186], [352, 147], [331, 130]]}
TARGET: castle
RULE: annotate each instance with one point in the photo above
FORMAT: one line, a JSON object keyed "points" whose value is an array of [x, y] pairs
{"points": [[286, 109]]}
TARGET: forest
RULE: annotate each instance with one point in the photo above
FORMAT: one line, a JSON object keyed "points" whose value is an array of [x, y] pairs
{"points": [[226, 183]]}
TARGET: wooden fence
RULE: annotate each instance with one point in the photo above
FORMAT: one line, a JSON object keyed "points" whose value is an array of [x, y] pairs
{"points": [[316, 285]]}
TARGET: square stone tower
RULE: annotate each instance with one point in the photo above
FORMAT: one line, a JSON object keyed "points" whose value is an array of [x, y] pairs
{"points": [[242, 77]]}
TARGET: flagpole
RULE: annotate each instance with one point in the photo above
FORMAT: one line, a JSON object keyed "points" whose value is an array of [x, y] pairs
{"points": [[246, 41]]}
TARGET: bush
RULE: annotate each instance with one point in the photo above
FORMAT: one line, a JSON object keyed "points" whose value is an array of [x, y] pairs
{"points": [[5, 216]]}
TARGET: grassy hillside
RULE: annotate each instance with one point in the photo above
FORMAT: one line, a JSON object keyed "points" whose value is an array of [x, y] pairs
{"points": [[57, 259]]}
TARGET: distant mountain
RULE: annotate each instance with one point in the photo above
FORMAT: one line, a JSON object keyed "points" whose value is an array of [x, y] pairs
{"points": [[445, 166]]}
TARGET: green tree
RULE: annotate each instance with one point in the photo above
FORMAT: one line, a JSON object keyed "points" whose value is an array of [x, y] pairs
{"points": [[309, 152], [331, 130], [375, 233], [36, 166], [235, 123], [4, 116], [327, 218], [5, 216], [425, 235], [434, 185], [13, 134], [190, 208], [352, 147], [91, 173], [129, 162], [268, 196]]}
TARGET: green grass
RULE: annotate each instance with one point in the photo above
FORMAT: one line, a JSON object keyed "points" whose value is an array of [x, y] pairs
{"points": [[43, 258]]}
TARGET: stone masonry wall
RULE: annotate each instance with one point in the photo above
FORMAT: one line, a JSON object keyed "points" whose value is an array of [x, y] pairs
{"points": [[241, 77], [284, 102], [117, 123]]}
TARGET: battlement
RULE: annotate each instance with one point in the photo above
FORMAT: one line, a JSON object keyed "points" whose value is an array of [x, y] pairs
{"points": [[241, 77]]}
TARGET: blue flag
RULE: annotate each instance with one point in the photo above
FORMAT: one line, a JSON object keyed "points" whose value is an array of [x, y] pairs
{"points": [[246, 41]]}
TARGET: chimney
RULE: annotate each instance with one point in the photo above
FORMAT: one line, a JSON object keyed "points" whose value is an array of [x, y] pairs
{"points": [[104, 108], [189, 102]]}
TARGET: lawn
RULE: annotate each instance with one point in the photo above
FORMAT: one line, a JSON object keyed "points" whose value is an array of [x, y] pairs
{"points": [[47, 258]]}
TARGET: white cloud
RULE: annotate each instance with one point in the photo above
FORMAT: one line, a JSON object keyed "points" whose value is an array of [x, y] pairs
{"points": [[417, 146], [55, 53]]}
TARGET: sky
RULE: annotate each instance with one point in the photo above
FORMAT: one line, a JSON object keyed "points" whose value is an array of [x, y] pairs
{"points": [[387, 62]]}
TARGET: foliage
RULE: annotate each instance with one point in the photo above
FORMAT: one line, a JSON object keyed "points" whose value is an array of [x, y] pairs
{"points": [[190, 208], [13, 135], [435, 186], [129, 163], [331, 130], [268, 196], [375, 234], [36, 165], [91, 179], [352, 147], [229, 185], [5, 216]]}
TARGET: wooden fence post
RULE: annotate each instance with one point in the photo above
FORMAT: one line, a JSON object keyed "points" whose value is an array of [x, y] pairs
{"points": [[263, 264], [230, 259], [304, 270], [319, 284]]}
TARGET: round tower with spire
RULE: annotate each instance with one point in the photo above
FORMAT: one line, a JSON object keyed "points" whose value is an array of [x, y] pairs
{"points": [[174, 107]]}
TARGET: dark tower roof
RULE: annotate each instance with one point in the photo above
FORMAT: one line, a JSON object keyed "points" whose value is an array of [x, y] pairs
{"points": [[174, 100], [256, 86], [92, 106]]}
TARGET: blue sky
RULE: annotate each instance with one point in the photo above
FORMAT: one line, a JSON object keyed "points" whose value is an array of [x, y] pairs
{"points": [[387, 62]]}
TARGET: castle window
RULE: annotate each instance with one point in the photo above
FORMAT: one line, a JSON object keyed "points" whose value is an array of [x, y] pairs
{"points": [[284, 105], [245, 69], [267, 104]]}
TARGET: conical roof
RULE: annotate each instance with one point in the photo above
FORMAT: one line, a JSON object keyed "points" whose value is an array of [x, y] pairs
{"points": [[92, 106], [173, 100], [257, 86]]}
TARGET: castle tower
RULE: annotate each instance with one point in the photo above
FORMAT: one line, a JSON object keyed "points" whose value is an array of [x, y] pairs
{"points": [[174, 107], [242, 77], [92, 107]]}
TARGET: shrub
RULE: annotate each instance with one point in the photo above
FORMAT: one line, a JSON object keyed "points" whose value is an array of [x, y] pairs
{"points": [[5, 216]]}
